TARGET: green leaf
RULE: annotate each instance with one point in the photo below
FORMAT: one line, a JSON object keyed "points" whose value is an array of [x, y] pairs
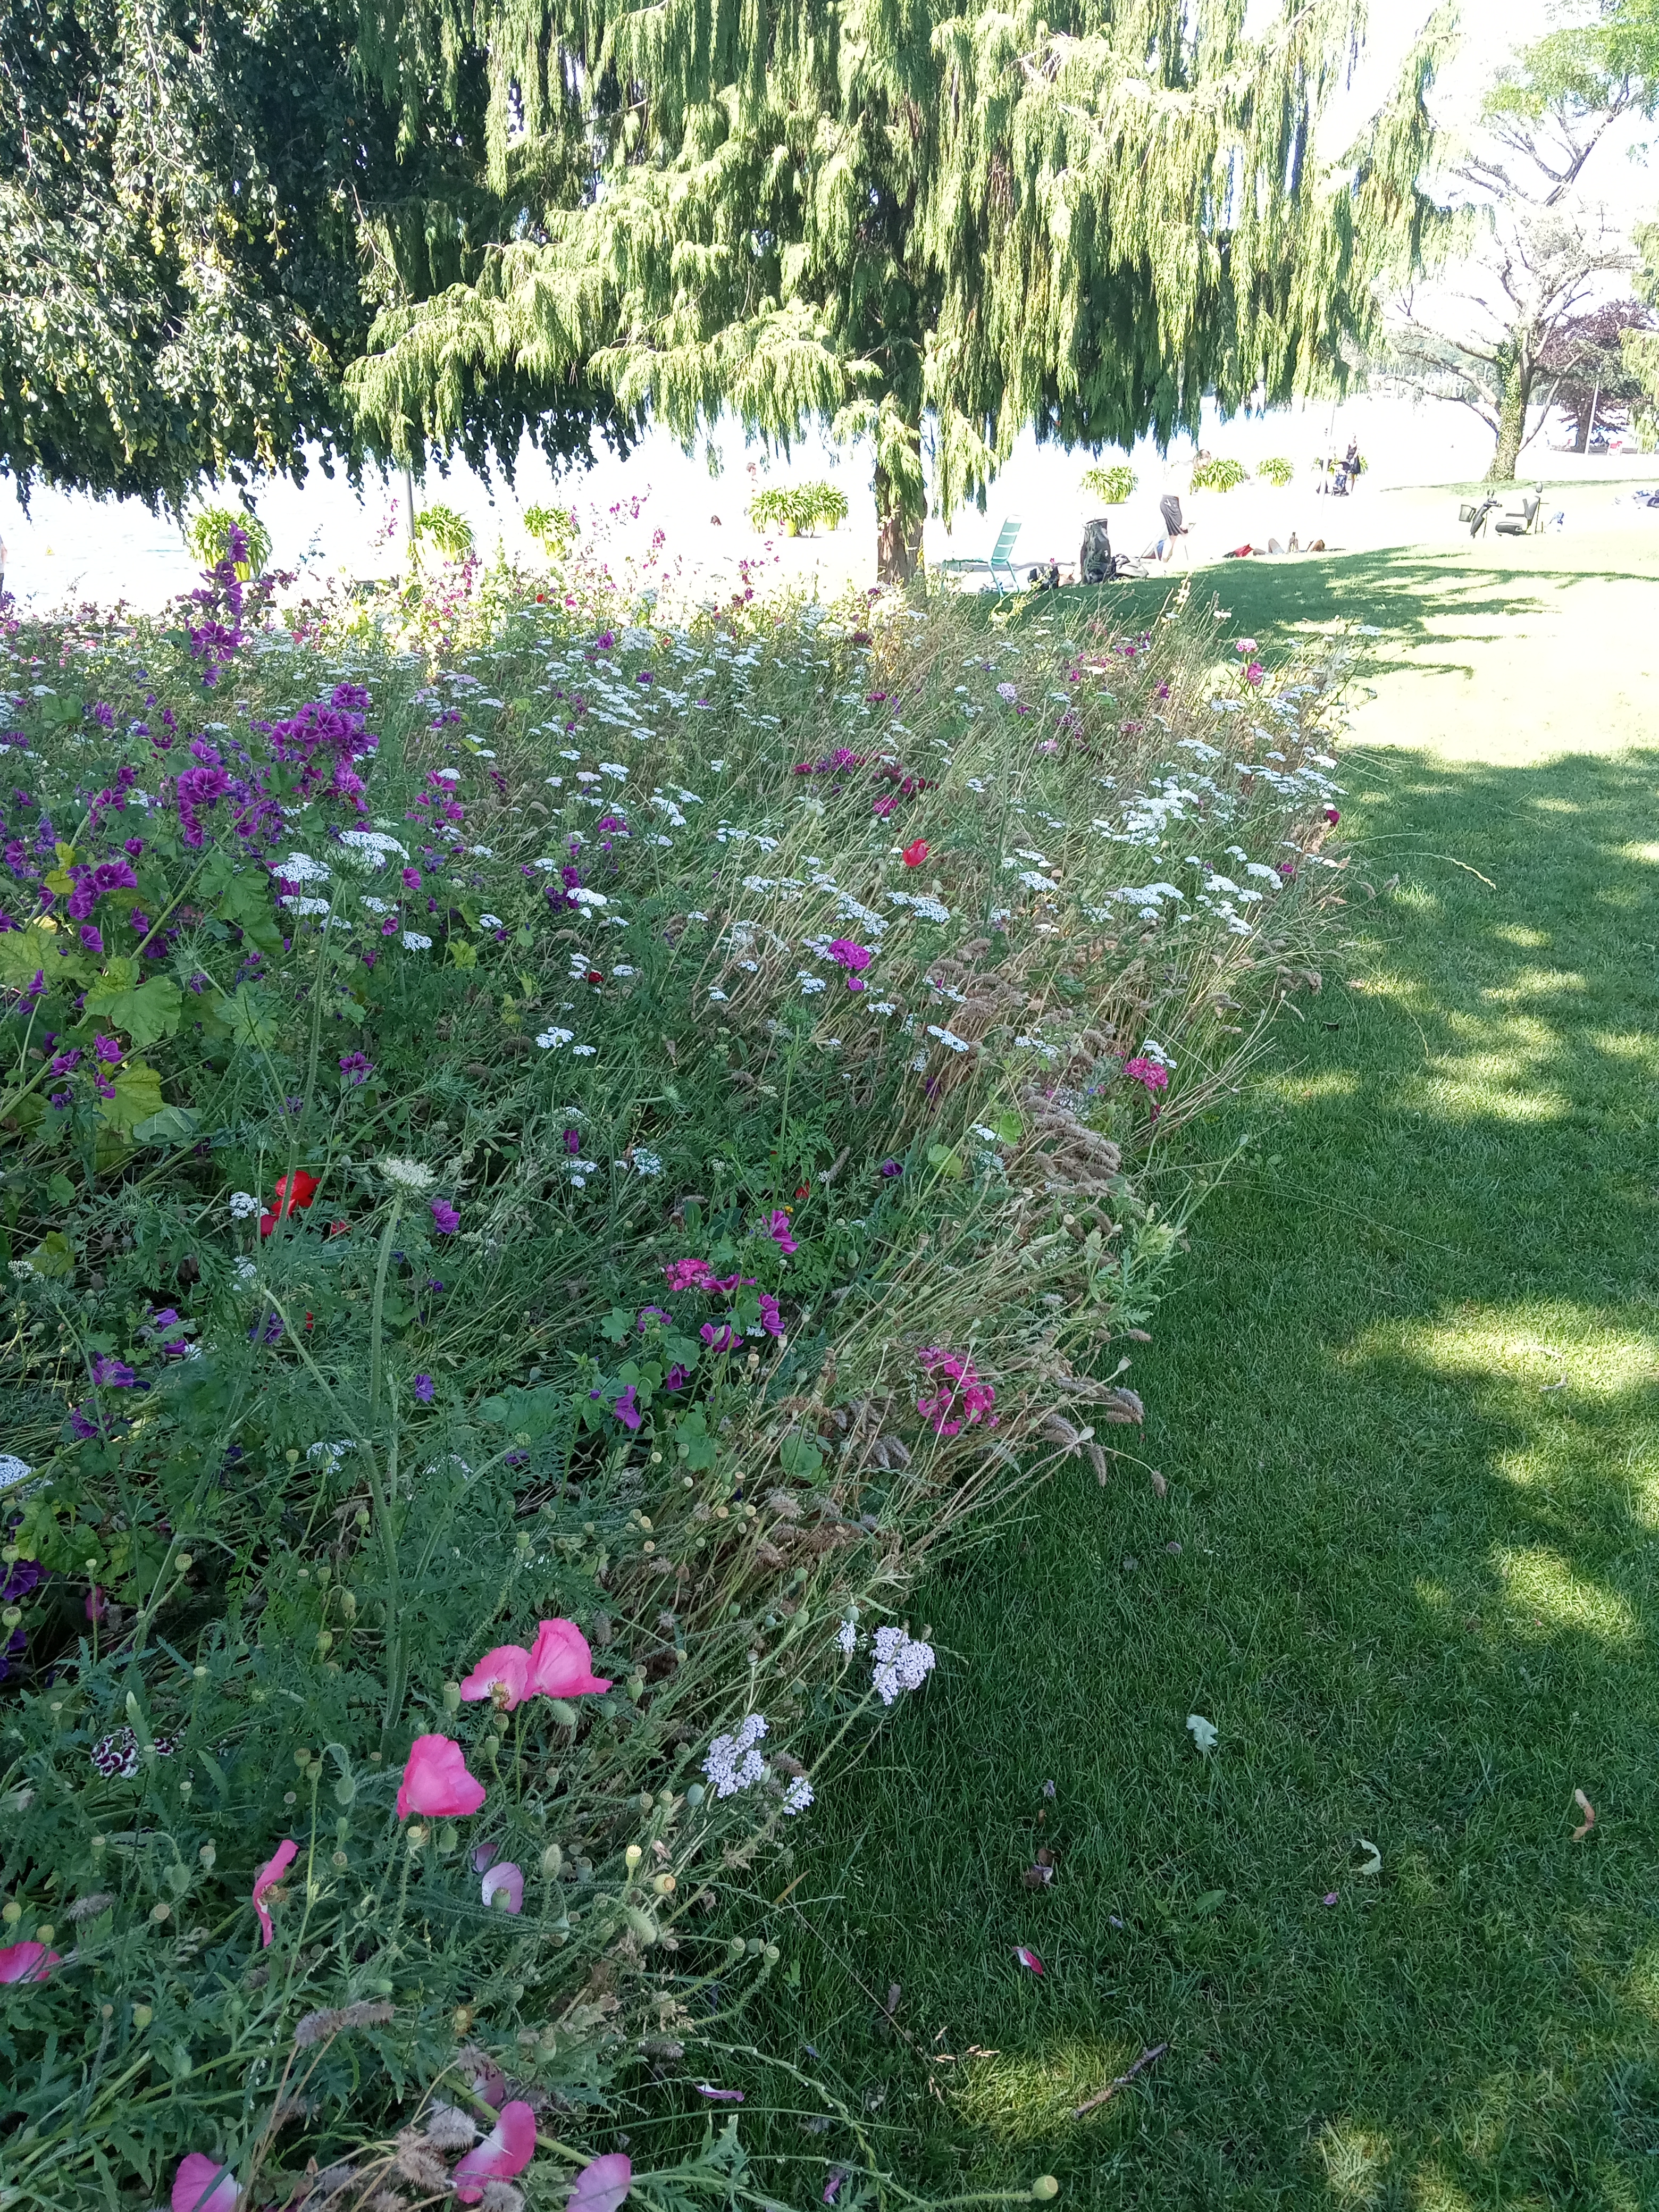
{"points": [[173, 1125], [53, 1256], [797, 1456], [1212, 1901], [151, 1010], [462, 953], [615, 1327], [137, 1096], [1008, 1125], [947, 1160], [253, 1026]]}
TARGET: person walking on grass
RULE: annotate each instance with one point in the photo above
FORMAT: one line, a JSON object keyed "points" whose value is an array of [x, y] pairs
{"points": [[1174, 528]]}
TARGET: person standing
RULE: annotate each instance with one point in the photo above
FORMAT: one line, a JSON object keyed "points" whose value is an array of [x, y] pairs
{"points": [[1169, 508]]}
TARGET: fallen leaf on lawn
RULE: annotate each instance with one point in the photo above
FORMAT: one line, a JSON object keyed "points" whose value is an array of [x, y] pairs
{"points": [[1160, 1487], [1212, 1901], [1027, 1957], [1374, 1863], [1202, 1732], [1039, 1877], [1589, 1812], [1329, 1898]]}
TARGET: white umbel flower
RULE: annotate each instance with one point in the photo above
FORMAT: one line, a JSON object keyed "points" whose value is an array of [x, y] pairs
{"points": [[406, 1175]]}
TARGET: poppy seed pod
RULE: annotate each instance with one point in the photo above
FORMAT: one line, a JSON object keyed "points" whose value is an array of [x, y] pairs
{"points": [[552, 1862]]}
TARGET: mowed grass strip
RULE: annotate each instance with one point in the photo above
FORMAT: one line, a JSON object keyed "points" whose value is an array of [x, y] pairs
{"points": [[1407, 1403]]}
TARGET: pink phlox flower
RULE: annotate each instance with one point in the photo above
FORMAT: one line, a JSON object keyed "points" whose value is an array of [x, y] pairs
{"points": [[204, 2184], [267, 1878], [778, 1229], [688, 1275], [602, 2184], [561, 1663], [959, 1397], [504, 1878], [1027, 1957], [27, 1962], [1148, 1071], [505, 2150], [501, 1675], [435, 1780]]}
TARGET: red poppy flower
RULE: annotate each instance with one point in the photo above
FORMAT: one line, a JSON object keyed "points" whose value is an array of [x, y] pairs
{"points": [[294, 1194], [914, 855]]}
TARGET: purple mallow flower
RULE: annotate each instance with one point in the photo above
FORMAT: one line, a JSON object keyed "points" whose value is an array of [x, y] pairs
{"points": [[445, 1218]]}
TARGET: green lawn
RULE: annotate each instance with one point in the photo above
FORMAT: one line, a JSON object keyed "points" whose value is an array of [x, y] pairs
{"points": [[1404, 1395]]}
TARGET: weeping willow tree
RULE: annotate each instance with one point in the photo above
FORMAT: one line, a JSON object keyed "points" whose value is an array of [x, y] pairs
{"points": [[882, 214]]}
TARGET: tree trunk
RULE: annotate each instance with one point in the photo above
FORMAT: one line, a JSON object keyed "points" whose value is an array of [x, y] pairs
{"points": [[1512, 432], [1589, 420], [898, 533]]}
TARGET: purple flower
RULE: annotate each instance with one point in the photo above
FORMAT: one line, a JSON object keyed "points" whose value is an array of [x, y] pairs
{"points": [[92, 941], [64, 1062], [677, 1377], [853, 958], [356, 1067], [771, 1320], [113, 1372], [62, 1098], [626, 1410], [423, 1388], [719, 1336], [445, 1218], [573, 1140], [891, 1168], [108, 1050], [80, 1426], [651, 1313], [778, 1229]]}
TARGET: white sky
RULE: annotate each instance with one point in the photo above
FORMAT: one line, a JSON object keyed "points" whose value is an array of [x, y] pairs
{"points": [[71, 546]]}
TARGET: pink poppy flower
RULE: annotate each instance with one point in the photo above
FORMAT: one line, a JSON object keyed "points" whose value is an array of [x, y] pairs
{"points": [[27, 1962], [562, 1664], [204, 2184], [505, 1876], [505, 2150], [435, 1780], [1027, 1957], [602, 2184], [267, 1878], [720, 2096], [500, 1675]]}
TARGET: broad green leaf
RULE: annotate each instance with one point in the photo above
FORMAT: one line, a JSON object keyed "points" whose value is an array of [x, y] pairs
{"points": [[137, 1096], [151, 1012], [248, 1011], [53, 1256], [462, 953], [173, 1125], [947, 1160], [797, 1457]]}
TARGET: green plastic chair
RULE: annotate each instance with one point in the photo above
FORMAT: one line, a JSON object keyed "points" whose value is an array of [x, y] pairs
{"points": [[1001, 557]]}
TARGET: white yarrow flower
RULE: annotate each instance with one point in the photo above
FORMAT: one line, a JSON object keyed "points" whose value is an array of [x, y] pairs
{"points": [[406, 1175], [901, 1664], [414, 942], [733, 1763], [13, 1469], [550, 1040], [243, 1205], [799, 1795]]}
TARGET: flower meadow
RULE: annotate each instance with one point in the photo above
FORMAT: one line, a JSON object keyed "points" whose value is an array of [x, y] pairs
{"points": [[550, 1161]]}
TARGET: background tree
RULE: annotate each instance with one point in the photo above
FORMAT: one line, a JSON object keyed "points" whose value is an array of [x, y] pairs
{"points": [[872, 212], [1492, 333], [189, 197], [1593, 378]]}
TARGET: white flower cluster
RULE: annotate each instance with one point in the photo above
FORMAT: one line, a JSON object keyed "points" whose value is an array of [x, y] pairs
{"points": [[370, 848], [799, 1795], [414, 941], [733, 1763], [901, 1663], [13, 1469], [301, 868], [406, 1175], [243, 1205]]}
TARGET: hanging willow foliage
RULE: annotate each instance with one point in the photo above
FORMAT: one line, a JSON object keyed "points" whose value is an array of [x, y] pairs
{"points": [[870, 212]]}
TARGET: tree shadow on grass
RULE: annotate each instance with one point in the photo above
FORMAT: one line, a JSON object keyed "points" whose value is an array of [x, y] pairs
{"points": [[1418, 599], [1405, 1396]]}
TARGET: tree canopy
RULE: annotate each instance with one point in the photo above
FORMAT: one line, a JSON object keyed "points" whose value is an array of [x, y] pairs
{"points": [[886, 213], [201, 208]]}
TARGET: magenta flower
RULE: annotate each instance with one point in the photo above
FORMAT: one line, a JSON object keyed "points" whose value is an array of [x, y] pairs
{"points": [[108, 1050], [204, 2184], [602, 2184], [1252, 674], [508, 1879], [356, 1067], [771, 1320], [561, 1663], [411, 879], [959, 1397], [1148, 1071], [267, 1878], [445, 1218], [423, 1388], [435, 1780], [113, 1372], [92, 941], [778, 1228], [1027, 1957], [501, 1675], [890, 1168], [1287, 869], [505, 2150], [27, 1962], [688, 1275], [853, 958], [626, 1410], [718, 1337], [1332, 815]]}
